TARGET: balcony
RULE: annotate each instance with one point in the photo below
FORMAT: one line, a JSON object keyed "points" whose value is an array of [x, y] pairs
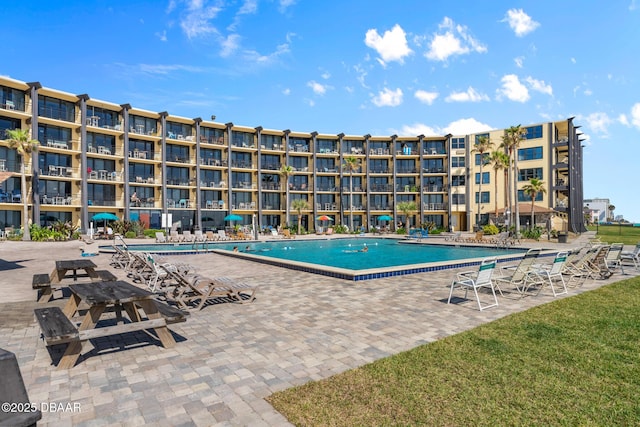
{"points": [[56, 143], [54, 170], [56, 200]]}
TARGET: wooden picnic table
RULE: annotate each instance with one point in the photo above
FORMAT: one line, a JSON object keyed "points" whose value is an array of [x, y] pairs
{"points": [[58, 327], [62, 267]]}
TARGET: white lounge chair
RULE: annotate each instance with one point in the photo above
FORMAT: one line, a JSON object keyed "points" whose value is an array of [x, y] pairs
{"points": [[476, 280], [160, 237]]}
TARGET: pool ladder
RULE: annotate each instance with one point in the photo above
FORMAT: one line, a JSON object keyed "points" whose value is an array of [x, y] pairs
{"points": [[197, 246]]}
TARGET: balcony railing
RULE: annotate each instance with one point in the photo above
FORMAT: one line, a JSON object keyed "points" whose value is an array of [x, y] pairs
{"points": [[56, 113]]}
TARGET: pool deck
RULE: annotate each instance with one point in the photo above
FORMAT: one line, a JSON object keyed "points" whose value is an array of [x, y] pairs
{"points": [[228, 357]]}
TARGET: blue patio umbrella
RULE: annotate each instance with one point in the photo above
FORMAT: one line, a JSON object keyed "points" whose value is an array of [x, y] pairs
{"points": [[233, 217], [105, 216], [384, 218]]}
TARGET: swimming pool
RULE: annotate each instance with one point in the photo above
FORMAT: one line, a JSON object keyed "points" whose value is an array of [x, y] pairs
{"points": [[344, 257]]}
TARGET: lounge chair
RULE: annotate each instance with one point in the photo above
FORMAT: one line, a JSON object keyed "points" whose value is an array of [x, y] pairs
{"points": [[210, 236], [521, 276], [453, 237], [553, 274], [222, 235], [187, 236], [598, 263], [194, 291], [198, 236], [613, 258], [160, 237], [578, 268], [175, 237], [476, 280], [287, 234], [632, 257]]}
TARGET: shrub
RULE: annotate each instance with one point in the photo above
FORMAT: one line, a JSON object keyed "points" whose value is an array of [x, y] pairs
{"points": [[532, 233], [339, 229], [151, 232], [490, 230], [130, 234]]}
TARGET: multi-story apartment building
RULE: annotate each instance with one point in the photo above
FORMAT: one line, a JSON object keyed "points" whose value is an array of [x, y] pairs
{"points": [[97, 156]]}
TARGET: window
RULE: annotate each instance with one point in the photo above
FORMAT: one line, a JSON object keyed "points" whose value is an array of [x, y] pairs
{"points": [[485, 156], [458, 199], [177, 130], [177, 176], [458, 181], [142, 125], [457, 143], [211, 135], [457, 162], [106, 118], [485, 178], [481, 135], [533, 153], [269, 161], [522, 197], [378, 166], [533, 132], [101, 194], [95, 140], [485, 197], [527, 174], [56, 109], [241, 139], [137, 171]]}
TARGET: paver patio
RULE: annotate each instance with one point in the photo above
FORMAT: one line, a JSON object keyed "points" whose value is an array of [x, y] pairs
{"points": [[229, 357]]}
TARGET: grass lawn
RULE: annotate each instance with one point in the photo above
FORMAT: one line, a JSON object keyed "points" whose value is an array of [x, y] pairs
{"points": [[574, 361], [617, 233]]}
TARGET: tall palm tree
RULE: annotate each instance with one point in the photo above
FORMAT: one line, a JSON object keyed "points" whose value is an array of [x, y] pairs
{"points": [[482, 145], [406, 208], [20, 141], [285, 172], [611, 209], [500, 161], [351, 164], [511, 141], [532, 189], [299, 205]]}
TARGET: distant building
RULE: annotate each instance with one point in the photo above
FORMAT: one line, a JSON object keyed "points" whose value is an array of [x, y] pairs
{"points": [[599, 209]]}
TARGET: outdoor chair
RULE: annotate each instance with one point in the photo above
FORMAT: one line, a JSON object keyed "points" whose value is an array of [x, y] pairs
{"points": [[187, 236], [198, 236], [476, 280], [160, 237], [175, 237], [598, 263], [612, 260], [632, 257], [193, 291], [520, 276], [577, 266], [553, 273], [210, 236], [222, 235]]}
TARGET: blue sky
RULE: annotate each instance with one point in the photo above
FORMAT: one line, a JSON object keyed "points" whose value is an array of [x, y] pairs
{"points": [[358, 67]]}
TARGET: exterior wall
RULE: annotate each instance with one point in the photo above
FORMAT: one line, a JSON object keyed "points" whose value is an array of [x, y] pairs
{"points": [[97, 156]]}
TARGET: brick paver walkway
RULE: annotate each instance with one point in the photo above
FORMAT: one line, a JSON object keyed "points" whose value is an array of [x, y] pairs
{"points": [[229, 357]]}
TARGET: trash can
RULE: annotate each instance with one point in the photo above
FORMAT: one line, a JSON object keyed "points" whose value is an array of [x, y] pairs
{"points": [[562, 237]]}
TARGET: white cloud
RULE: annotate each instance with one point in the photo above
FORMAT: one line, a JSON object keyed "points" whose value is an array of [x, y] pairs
{"points": [[258, 58], [465, 127], [349, 89], [520, 22], [470, 95], [388, 98], [513, 89], [318, 88], [167, 69], [599, 122], [326, 75], [284, 4], [573, 60], [635, 115], [633, 5], [452, 40], [519, 61], [229, 45], [286, 92], [539, 86], [418, 129], [162, 36], [361, 74], [623, 119], [588, 92], [426, 97], [392, 46], [195, 22], [248, 7]]}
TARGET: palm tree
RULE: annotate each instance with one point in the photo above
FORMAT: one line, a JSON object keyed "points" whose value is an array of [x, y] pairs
{"points": [[483, 143], [299, 205], [611, 209], [351, 164], [18, 140], [532, 189], [406, 208], [285, 172], [500, 161], [511, 142]]}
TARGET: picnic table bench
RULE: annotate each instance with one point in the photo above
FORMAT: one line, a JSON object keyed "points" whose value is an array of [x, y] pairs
{"points": [[58, 327], [43, 284]]}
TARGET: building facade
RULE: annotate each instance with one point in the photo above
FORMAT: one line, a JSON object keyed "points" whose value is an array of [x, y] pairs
{"points": [[97, 156]]}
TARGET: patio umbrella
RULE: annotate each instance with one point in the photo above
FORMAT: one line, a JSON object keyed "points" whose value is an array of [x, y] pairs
{"points": [[105, 216], [233, 217], [384, 218], [324, 218]]}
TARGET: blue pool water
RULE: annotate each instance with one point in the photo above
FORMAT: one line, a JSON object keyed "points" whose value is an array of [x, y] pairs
{"points": [[346, 253]]}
